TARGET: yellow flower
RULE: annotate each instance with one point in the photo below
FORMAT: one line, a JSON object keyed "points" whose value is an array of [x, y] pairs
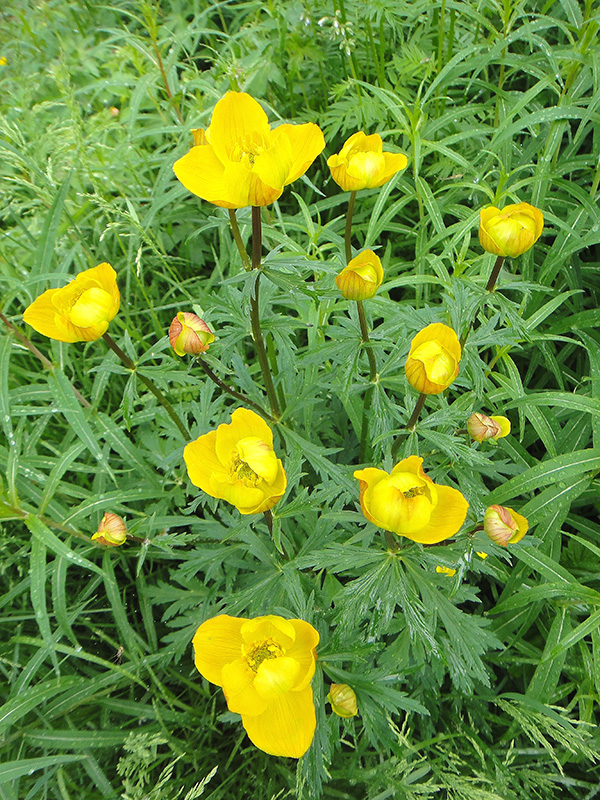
{"points": [[409, 503], [239, 161], [481, 427], [343, 700], [482, 554], [362, 277], [511, 231], [504, 526], [433, 359], [3, 61], [362, 164], [189, 334], [112, 531], [81, 310], [445, 571], [264, 666], [237, 463]]}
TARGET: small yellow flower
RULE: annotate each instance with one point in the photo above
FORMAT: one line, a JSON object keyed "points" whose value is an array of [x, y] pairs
{"points": [[239, 161], [445, 571], [237, 463], [264, 666], [362, 277], [481, 427], [343, 700], [481, 554], [362, 164], [433, 359], [3, 61], [511, 231], [189, 334], [409, 503], [81, 310], [504, 526], [111, 532]]}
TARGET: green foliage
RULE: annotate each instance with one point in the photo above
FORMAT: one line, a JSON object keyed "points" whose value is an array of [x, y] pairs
{"points": [[481, 685]]}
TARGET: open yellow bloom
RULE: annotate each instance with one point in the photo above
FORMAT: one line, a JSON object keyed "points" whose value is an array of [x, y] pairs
{"points": [[81, 310], [237, 463], [362, 164], [409, 503], [433, 359], [264, 666], [511, 231], [504, 526], [481, 427], [362, 277], [239, 161]]}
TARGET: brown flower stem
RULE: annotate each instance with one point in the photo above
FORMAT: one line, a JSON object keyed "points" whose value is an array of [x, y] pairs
{"points": [[38, 354], [256, 237], [364, 332], [238, 395], [475, 530], [261, 353], [348, 231], [237, 236], [391, 541], [463, 338], [161, 67], [415, 415], [149, 385], [495, 272], [269, 520]]}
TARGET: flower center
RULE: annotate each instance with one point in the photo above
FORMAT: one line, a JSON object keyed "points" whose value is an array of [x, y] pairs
{"points": [[246, 150], [239, 469], [414, 492], [258, 652]]}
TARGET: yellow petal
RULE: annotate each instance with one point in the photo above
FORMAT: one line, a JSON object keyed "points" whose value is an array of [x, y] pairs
{"points": [[201, 172], [303, 651], [41, 315], [270, 626], [202, 462], [306, 142], [237, 119], [217, 642], [440, 366], [276, 676], [393, 163], [368, 478], [286, 727], [446, 518], [504, 424], [366, 167], [92, 307], [273, 165], [244, 423], [240, 692], [441, 333], [247, 499], [259, 457], [396, 512]]}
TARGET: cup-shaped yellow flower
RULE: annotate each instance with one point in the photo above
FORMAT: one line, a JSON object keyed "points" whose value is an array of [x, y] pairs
{"points": [[504, 526], [81, 310], [237, 463], [343, 700], [112, 531], [264, 666], [433, 359], [362, 277], [511, 231], [189, 334], [481, 427], [409, 503], [239, 161], [362, 164]]}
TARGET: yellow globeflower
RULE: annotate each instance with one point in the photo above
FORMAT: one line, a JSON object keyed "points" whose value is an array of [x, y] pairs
{"points": [[409, 503], [239, 161], [511, 231], [362, 164], [237, 463], [433, 359], [81, 310], [362, 277], [264, 666], [504, 526], [112, 531], [481, 427], [189, 334]]}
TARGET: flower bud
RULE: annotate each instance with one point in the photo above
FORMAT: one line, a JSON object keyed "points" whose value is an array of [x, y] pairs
{"points": [[343, 700], [482, 427], [362, 163], [114, 111], [445, 571], [189, 334], [111, 532], [362, 277], [504, 526], [511, 231], [433, 359]]}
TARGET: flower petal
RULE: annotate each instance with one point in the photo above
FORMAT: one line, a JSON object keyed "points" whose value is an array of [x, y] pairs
{"points": [[307, 142], [202, 462], [286, 727], [446, 518], [368, 478], [217, 642], [41, 315], [393, 163], [244, 424], [238, 687], [245, 498], [237, 119], [276, 676], [303, 651], [201, 172]]}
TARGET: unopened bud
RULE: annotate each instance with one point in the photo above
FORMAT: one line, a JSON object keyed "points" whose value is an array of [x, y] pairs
{"points": [[343, 700], [111, 532], [362, 277], [189, 334], [481, 427], [504, 526], [114, 111]]}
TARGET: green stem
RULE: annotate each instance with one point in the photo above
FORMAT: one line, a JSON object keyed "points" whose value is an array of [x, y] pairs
{"points": [[238, 395], [237, 236], [348, 232], [415, 415], [256, 237], [495, 272], [391, 541], [261, 352], [364, 332], [269, 520], [149, 385]]}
